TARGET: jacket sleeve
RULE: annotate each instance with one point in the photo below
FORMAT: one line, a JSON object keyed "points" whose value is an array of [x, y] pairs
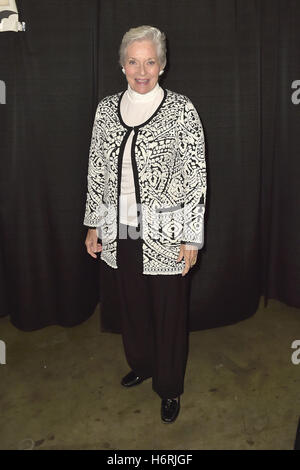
{"points": [[96, 174], [192, 150]]}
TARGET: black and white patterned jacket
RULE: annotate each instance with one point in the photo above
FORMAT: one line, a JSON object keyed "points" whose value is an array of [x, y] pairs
{"points": [[169, 168]]}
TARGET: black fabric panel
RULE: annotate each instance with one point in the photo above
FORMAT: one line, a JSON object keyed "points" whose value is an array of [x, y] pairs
{"points": [[51, 100], [280, 150], [213, 58]]}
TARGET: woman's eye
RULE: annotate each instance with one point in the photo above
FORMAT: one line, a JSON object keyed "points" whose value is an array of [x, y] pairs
{"points": [[151, 62]]}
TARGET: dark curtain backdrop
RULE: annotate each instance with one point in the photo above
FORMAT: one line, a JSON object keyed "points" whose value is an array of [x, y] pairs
{"points": [[236, 60]]}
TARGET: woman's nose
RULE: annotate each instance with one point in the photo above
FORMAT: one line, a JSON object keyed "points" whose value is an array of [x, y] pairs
{"points": [[142, 70]]}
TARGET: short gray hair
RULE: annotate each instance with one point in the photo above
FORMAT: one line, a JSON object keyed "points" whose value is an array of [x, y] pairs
{"points": [[142, 33]]}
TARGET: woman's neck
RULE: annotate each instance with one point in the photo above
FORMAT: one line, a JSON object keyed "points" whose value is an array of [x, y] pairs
{"points": [[142, 97]]}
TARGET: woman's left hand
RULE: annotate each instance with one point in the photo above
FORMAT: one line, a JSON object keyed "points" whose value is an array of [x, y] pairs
{"points": [[189, 253]]}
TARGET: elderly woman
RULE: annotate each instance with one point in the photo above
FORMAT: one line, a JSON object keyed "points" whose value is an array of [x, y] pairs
{"points": [[145, 204]]}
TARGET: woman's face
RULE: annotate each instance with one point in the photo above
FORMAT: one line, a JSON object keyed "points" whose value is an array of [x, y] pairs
{"points": [[142, 66]]}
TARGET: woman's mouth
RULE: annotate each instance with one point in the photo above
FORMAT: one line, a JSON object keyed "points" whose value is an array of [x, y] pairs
{"points": [[142, 82]]}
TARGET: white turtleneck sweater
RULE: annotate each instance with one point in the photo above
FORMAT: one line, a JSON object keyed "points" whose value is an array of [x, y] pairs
{"points": [[136, 108]]}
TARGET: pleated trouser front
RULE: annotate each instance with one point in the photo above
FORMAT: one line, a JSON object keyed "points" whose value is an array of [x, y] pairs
{"points": [[154, 313]]}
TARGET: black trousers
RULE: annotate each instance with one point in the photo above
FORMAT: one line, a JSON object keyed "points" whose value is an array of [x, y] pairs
{"points": [[154, 312]]}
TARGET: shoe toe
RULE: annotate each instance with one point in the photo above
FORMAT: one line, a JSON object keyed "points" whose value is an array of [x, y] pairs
{"points": [[169, 410], [131, 379]]}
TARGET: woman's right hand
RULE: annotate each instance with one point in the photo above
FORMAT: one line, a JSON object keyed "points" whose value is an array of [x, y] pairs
{"points": [[91, 244]]}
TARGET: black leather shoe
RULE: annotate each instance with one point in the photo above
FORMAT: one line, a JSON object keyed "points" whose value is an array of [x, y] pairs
{"points": [[131, 379], [169, 409]]}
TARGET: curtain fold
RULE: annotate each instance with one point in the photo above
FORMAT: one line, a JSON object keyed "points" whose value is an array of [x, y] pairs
{"points": [[51, 98], [280, 223]]}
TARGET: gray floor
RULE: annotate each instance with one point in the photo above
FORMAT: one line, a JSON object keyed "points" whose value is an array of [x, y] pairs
{"points": [[60, 389]]}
